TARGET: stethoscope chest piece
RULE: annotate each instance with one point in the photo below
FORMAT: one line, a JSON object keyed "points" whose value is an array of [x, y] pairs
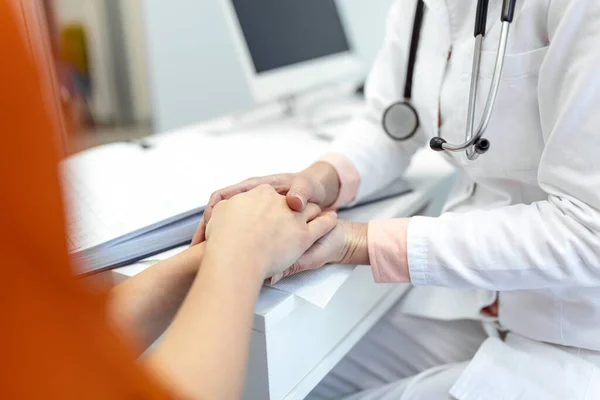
{"points": [[400, 120]]}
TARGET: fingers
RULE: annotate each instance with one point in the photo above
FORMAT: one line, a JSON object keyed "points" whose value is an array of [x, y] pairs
{"points": [[278, 182], [314, 258], [224, 194], [322, 225], [295, 201], [320, 253], [302, 191], [311, 212], [276, 278], [200, 234]]}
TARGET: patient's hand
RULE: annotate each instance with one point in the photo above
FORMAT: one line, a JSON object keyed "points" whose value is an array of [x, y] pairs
{"points": [[259, 228], [336, 247]]}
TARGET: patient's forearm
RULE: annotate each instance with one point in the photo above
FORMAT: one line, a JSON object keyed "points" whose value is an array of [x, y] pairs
{"points": [[204, 353], [143, 306]]}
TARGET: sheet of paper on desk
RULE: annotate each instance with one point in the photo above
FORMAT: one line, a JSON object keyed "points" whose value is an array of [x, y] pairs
{"points": [[319, 286]]}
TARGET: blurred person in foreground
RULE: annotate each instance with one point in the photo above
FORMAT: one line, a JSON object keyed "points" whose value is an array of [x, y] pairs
{"points": [[65, 341]]}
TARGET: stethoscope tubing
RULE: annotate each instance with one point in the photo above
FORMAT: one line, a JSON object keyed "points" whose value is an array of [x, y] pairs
{"points": [[474, 144]]}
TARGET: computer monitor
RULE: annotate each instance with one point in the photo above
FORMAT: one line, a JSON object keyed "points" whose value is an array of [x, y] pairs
{"points": [[291, 46]]}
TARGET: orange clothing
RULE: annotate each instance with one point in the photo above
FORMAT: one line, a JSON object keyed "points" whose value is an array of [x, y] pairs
{"points": [[55, 337]]}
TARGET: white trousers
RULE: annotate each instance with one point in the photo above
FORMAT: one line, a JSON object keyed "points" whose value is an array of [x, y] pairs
{"points": [[404, 357]]}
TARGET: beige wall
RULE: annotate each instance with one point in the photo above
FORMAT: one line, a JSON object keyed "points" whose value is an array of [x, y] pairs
{"points": [[138, 61]]}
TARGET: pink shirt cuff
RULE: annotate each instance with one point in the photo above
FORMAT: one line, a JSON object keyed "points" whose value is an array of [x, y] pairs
{"points": [[348, 176], [387, 250]]}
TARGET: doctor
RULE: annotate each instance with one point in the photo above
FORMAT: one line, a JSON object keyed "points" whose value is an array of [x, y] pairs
{"points": [[518, 245]]}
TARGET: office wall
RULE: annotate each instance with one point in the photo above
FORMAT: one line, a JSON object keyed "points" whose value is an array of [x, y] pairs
{"points": [[192, 67], [194, 71], [136, 49], [93, 15], [367, 22]]}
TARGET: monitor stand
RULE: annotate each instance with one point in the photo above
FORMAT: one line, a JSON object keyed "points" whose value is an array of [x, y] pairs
{"points": [[317, 109]]}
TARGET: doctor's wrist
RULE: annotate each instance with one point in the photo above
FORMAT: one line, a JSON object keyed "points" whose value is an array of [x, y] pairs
{"points": [[356, 247]]}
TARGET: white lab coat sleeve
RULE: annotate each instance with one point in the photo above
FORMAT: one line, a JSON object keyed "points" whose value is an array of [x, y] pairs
{"points": [[551, 243], [378, 159]]}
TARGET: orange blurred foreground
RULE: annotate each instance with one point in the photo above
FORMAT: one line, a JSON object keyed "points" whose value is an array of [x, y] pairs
{"points": [[57, 342]]}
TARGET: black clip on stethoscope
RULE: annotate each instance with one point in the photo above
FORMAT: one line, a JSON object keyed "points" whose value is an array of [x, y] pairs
{"points": [[401, 120]]}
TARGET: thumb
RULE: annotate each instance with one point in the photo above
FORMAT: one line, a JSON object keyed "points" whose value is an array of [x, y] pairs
{"points": [[303, 190], [200, 234]]}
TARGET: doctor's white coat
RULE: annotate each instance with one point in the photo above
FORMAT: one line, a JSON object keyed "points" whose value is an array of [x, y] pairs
{"points": [[524, 219]]}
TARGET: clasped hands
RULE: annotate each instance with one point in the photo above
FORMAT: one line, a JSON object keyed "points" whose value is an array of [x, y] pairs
{"points": [[280, 222]]}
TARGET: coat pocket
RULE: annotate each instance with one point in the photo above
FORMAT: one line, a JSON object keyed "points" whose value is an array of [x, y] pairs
{"points": [[515, 66], [515, 130]]}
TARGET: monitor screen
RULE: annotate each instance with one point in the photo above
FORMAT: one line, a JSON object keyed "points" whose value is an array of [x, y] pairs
{"points": [[280, 33]]}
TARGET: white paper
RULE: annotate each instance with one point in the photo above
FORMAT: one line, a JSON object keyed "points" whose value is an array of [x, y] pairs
{"points": [[317, 287]]}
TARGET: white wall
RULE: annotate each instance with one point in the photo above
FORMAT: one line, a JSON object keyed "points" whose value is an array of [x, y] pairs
{"points": [[69, 10], [367, 22], [193, 68], [194, 71]]}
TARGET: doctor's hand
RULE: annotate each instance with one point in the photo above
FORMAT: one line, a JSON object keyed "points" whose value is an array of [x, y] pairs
{"points": [[258, 226], [317, 184]]}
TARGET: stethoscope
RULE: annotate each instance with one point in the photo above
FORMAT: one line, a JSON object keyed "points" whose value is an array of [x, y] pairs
{"points": [[401, 120]]}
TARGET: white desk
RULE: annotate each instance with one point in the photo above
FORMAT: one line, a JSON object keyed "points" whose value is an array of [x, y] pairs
{"points": [[295, 344]]}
